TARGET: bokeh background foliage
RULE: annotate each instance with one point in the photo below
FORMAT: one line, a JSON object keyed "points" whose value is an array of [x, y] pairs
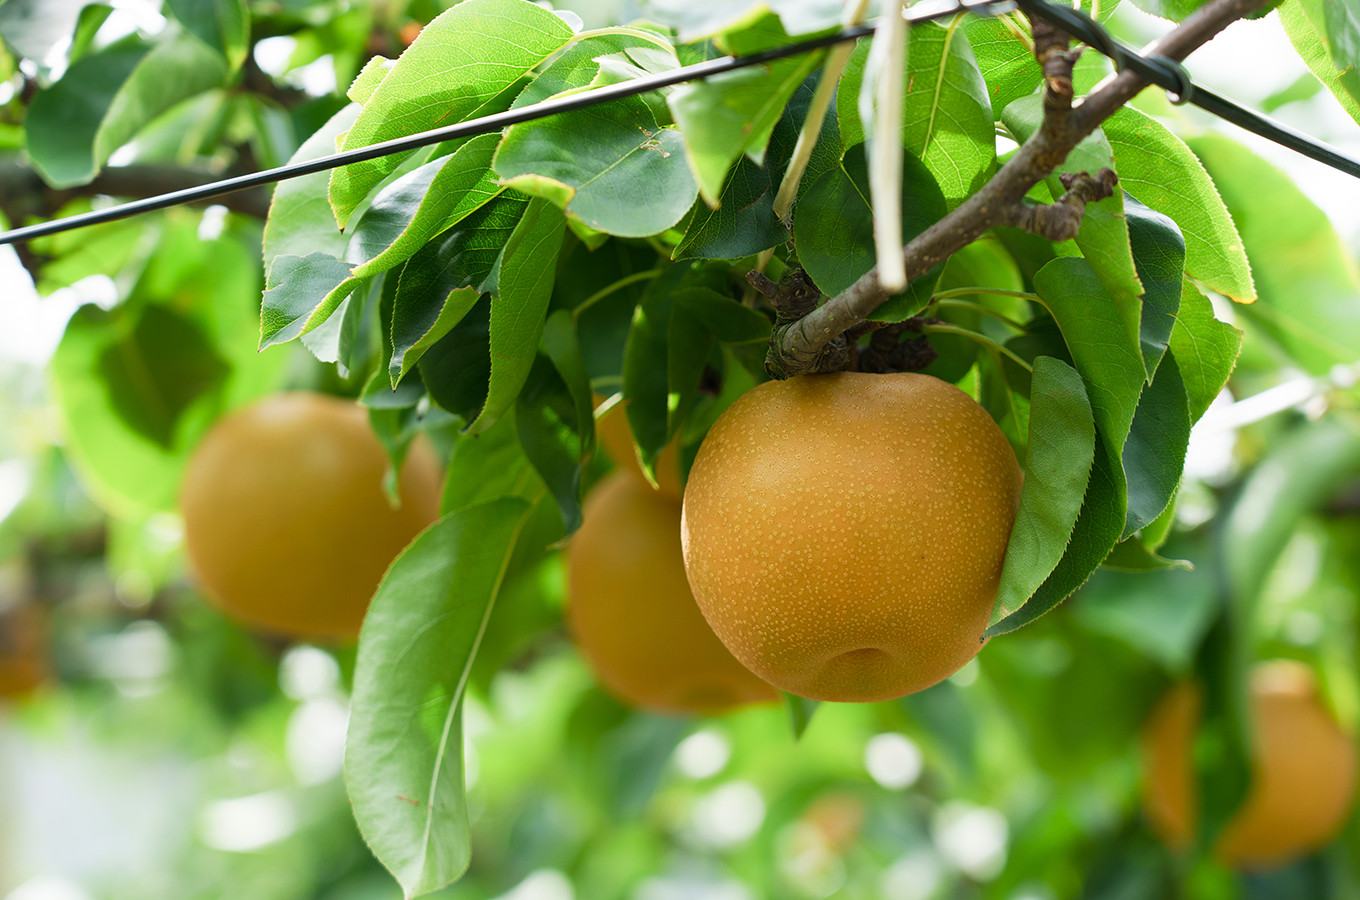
{"points": [[174, 754]]}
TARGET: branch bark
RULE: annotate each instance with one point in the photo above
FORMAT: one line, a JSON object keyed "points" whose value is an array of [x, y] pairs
{"points": [[24, 193], [797, 347]]}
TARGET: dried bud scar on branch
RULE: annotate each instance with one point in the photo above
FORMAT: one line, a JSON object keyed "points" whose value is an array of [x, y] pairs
{"points": [[807, 343]]}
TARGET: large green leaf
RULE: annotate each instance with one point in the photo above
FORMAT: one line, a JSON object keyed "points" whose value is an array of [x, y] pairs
{"points": [[1095, 533], [833, 228], [946, 113], [1306, 280], [1154, 453], [583, 61], [744, 222], [104, 100], [1159, 253], [1301, 23], [1062, 446], [136, 386], [519, 303], [554, 416], [597, 181], [442, 281], [1004, 57], [300, 220], [223, 25], [1158, 168], [404, 752], [34, 27], [1205, 349], [1304, 468], [300, 294], [727, 115], [1162, 614], [421, 204], [157, 369], [1105, 349], [652, 390], [462, 61]]}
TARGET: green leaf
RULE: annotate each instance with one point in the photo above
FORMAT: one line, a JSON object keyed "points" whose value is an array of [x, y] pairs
{"points": [[489, 465], [456, 368], [403, 755], [1004, 57], [597, 181], [34, 27], [1159, 253], [421, 204], [459, 65], [1062, 445], [833, 229], [689, 346], [555, 416], [562, 343], [524, 287], [800, 710], [1105, 349], [652, 391], [1305, 278], [442, 281], [579, 64], [548, 429], [724, 116], [1145, 153], [1205, 348], [947, 118], [300, 220], [1162, 614], [1175, 10], [1341, 78], [1154, 454], [223, 25], [1133, 555], [742, 224], [300, 294], [1096, 531], [725, 318], [135, 387], [160, 366], [1104, 235], [1304, 468], [104, 100]]}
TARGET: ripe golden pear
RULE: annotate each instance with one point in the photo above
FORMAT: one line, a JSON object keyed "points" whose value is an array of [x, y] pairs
{"points": [[632, 614], [285, 519], [844, 534], [1303, 770]]}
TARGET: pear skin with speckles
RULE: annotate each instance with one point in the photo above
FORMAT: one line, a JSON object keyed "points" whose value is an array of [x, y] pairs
{"points": [[631, 612], [844, 534]]}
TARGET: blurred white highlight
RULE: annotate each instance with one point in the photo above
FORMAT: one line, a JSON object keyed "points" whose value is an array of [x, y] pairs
{"points": [[703, 754], [893, 760]]}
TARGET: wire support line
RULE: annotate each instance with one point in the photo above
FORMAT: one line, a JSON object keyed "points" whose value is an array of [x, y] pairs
{"points": [[1172, 76], [1165, 73], [925, 12]]}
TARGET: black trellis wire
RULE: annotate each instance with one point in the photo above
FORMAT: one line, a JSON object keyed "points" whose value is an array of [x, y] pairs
{"points": [[1164, 73]]}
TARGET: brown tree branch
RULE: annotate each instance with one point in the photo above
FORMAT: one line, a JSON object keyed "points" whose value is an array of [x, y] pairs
{"points": [[22, 190], [796, 347], [1061, 219], [24, 195]]}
